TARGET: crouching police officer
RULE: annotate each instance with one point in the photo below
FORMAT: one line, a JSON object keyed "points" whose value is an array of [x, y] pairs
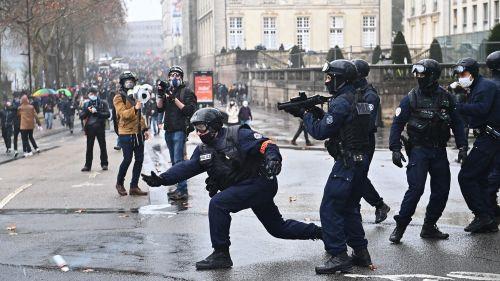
{"points": [[371, 97], [428, 111], [242, 166], [483, 113], [493, 62], [346, 124]]}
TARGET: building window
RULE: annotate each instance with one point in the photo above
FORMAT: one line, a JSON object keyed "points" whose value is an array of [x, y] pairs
{"points": [[424, 7], [434, 6], [455, 19], [369, 31], [464, 16], [270, 40], [412, 9], [337, 32], [474, 14], [485, 13], [303, 33], [236, 38], [496, 12]]}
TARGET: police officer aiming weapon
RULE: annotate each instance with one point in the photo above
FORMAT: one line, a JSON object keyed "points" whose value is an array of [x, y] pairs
{"points": [[303, 102]]}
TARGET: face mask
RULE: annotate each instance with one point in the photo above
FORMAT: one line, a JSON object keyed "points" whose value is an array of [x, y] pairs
{"points": [[245, 104], [465, 82], [175, 82], [93, 98], [208, 138], [129, 84], [425, 83], [231, 103]]}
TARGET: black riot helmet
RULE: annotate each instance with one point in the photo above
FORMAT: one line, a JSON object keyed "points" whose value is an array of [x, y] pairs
{"points": [[127, 75], [427, 72], [341, 72], [177, 69], [362, 67], [207, 122], [467, 64], [493, 61]]}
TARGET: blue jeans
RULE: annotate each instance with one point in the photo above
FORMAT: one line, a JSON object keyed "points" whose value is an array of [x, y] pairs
{"points": [[130, 146], [49, 117], [175, 143], [154, 125]]}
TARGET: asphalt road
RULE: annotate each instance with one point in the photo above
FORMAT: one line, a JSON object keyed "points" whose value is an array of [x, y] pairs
{"points": [[56, 209]]}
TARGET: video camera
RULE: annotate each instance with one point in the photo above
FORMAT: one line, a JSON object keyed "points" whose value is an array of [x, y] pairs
{"points": [[141, 93]]}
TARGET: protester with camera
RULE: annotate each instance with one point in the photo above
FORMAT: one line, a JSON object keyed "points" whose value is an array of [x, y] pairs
{"points": [[178, 102], [132, 132], [94, 114]]}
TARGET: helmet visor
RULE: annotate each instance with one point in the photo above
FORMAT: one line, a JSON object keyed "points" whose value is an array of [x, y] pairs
{"points": [[458, 69], [326, 66], [418, 68], [201, 128]]}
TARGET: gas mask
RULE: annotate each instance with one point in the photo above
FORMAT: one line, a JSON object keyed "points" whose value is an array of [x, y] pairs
{"points": [[466, 82], [175, 82], [207, 136]]}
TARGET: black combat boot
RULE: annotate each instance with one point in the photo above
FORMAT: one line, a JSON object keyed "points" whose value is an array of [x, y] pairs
{"points": [[482, 225], [339, 263], [432, 231], [361, 257], [398, 232], [220, 258], [381, 212]]}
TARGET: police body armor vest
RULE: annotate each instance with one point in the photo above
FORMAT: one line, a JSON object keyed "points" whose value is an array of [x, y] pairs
{"points": [[226, 165], [429, 123], [354, 135]]}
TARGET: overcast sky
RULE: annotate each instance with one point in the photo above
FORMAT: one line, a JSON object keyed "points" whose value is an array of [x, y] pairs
{"points": [[141, 10]]}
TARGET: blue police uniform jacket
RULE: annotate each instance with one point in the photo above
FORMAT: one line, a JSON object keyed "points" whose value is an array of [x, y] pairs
{"points": [[371, 97]]}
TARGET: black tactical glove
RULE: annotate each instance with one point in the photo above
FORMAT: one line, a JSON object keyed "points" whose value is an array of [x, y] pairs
{"points": [[316, 112], [273, 167], [211, 187], [153, 180], [462, 154], [296, 111], [397, 157]]}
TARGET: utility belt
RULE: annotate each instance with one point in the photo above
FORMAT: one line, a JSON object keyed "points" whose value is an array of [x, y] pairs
{"points": [[339, 153], [487, 130]]}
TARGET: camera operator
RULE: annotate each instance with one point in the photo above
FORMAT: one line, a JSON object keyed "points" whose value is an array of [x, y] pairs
{"points": [[94, 113], [132, 132], [179, 103]]}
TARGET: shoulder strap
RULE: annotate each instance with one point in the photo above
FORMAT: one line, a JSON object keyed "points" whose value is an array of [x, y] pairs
{"points": [[412, 95]]}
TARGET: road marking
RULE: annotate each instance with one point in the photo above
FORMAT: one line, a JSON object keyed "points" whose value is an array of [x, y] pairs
{"points": [[401, 277], [156, 210], [87, 184], [474, 275], [11, 196]]}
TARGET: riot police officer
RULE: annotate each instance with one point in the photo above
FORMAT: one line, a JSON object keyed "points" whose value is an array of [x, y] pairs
{"points": [[483, 115], [371, 97], [346, 125], [428, 112], [242, 166], [493, 62]]}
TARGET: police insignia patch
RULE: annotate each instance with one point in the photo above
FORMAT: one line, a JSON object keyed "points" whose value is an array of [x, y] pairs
{"points": [[371, 107], [205, 157], [257, 136], [329, 119], [398, 111]]}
